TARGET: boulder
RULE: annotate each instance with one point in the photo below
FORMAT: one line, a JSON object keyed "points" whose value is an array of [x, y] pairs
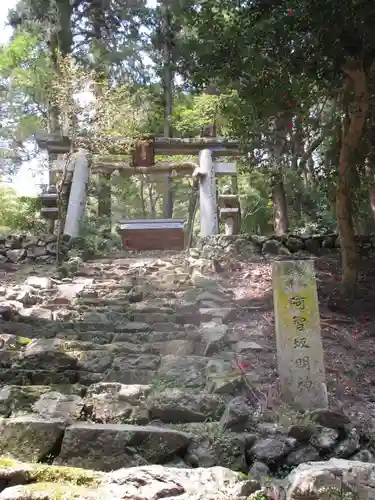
{"points": [[36, 481], [110, 446], [29, 437], [313, 479], [182, 406]]}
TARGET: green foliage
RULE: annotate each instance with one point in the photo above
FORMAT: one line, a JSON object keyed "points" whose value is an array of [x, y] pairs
{"points": [[25, 76], [19, 213], [256, 205], [277, 71], [193, 112], [95, 240], [127, 111]]}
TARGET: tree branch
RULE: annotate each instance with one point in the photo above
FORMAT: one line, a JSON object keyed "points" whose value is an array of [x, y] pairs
{"points": [[313, 146]]}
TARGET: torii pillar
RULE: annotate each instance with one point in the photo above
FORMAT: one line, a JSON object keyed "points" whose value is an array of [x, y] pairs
{"points": [[209, 220]]}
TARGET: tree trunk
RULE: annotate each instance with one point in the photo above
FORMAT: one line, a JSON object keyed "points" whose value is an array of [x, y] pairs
{"points": [[168, 97], [297, 143], [280, 209], [278, 149], [371, 187], [152, 201], [351, 136], [346, 229], [104, 195], [60, 42], [192, 210], [234, 186], [168, 197], [100, 79], [143, 201]]}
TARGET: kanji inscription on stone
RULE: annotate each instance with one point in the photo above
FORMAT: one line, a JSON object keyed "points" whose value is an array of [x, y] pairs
{"points": [[300, 356]]}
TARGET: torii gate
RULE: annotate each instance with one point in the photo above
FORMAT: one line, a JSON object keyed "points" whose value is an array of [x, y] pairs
{"points": [[81, 162]]}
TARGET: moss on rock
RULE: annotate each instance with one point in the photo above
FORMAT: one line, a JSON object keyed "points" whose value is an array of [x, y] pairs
{"points": [[51, 491], [23, 341], [38, 473]]}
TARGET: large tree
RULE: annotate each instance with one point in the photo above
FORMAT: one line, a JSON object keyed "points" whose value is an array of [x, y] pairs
{"points": [[267, 49]]}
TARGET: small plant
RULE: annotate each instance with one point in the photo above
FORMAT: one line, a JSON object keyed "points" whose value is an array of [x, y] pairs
{"points": [[23, 341], [334, 493], [261, 400], [96, 239], [162, 383]]}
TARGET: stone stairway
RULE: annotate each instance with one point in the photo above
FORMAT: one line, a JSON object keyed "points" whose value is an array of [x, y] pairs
{"points": [[128, 363], [154, 374]]}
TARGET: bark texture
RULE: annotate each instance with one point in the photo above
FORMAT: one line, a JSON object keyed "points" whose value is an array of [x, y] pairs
{"points": [[351, 136]]}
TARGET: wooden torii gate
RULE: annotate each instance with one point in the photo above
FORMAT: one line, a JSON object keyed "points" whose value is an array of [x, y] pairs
{"points": [[140, 159]]}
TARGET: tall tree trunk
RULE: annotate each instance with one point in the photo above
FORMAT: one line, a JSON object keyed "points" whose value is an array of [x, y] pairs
{"points": [[192, 210], [104, 195], [168, 95], [311, 173], [297, 143], [59, 43], [371, 185], [100, 79], [280, 209], [351, 136], [152, 200], [234, 187], [143, 201]]}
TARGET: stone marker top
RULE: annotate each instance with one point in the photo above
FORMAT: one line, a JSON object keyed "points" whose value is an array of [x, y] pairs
{"points": [[298, 336], [297, 298]]}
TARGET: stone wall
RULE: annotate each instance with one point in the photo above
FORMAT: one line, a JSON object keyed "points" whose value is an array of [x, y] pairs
{"points": [[276, 245], [20, 247]]}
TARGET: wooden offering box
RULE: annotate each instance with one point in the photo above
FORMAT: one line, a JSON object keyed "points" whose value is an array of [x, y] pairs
{"points": [[152, 234], [143, 154]]}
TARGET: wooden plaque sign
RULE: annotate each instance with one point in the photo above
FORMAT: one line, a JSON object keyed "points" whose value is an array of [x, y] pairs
{"points": [[144, 153], [152, 234]]}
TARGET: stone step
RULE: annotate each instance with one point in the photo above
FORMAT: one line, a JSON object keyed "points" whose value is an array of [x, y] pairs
{"points": [[111, 446], [168, 339], [24, 377], [37, 377], [119, 374], [91, 446], [165, 336], [45, 328], [112, 402], [174, 358], [102, 302], [131, 322], [38, 437], [21, 399], [28, 480]]}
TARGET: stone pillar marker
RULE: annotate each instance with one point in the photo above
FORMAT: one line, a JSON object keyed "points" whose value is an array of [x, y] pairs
{"points": [[300, 358]]}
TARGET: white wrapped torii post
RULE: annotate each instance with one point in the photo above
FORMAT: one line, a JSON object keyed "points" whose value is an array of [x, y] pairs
{"points": [[209, 220], [78, 193]]}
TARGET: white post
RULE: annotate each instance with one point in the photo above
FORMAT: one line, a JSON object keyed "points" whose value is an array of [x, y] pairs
{"points": [[229, 216], [207, 194], [229, 226], [77, 198]]}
